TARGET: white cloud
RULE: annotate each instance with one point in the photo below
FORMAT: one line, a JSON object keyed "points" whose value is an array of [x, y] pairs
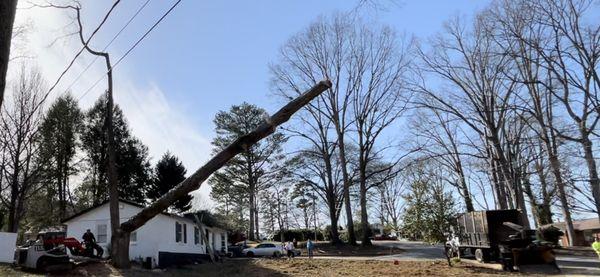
{"points": [[156, 121]]}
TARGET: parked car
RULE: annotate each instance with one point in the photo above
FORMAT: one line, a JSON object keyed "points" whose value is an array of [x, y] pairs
{"points": [[264, 249], [237, 249]]}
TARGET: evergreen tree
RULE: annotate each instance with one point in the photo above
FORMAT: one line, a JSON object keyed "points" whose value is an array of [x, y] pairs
{"points": [[169, 172], [133, 166], [430, 210], [249, 172], [59, 140]]}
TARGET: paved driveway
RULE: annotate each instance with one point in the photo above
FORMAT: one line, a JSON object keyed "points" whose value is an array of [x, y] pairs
{"points": [[570, 265], [414, 251]]}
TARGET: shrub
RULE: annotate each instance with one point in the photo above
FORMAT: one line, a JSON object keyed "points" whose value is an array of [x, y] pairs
{"points": [[550, 234], [298, 234]]}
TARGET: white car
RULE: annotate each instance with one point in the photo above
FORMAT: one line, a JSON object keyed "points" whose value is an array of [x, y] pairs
{"points": [[264, 249]]}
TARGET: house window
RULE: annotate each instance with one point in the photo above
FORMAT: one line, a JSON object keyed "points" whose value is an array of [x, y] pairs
{"points": [[196, 235], [184, 233], [101, 230], [222, 242], [177, 232], [133, 237]]}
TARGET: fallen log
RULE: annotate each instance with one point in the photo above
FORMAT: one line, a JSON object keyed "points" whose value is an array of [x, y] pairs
{"points": [[197, 178]]}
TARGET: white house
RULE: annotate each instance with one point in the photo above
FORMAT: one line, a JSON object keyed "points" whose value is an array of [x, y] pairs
{"points": [[167, 238]]}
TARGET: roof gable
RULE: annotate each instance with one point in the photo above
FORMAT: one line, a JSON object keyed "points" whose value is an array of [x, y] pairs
{"points": [[85, 211]]}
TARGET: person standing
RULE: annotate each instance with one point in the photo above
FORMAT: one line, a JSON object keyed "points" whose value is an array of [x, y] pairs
{"points": [[289, 246], [309, 248], [596, 245]]}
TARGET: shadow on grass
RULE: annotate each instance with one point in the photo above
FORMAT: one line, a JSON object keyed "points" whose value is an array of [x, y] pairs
{"points": [[347, 250], [228, 268]]}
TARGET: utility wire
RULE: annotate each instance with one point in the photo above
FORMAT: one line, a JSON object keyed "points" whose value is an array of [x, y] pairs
{"points": [[106, 47], [82, 48], [131, 48]]}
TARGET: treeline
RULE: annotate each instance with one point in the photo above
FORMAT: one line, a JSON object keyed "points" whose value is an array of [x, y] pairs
{"points": [[497, 112], [53, 160], [512, 122]]}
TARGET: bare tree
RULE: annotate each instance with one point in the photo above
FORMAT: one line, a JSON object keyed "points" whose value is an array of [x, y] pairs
{"points": [[480, 96], [441, 133], [519, 35], [366, 66], [19, 125], [378, 67], [322, 51], [572, 57], [390, 200]]}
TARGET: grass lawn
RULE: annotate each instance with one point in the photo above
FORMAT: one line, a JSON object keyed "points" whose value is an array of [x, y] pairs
{"points": [[323, 267], [282, 267]]}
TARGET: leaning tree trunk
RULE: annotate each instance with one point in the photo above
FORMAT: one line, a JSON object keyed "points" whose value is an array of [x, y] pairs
{"points": [[194, 181], [8, 8]]}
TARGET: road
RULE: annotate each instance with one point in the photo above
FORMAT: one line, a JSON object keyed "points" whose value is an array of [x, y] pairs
{"points": [[418, 251], [414, 251]]}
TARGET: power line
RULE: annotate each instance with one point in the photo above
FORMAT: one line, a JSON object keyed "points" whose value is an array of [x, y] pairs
{"points": [[106, 47], [132, 47], [83, 47], [147, 32]]}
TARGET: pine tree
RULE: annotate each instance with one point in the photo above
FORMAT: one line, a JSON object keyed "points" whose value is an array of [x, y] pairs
{"points": [[59, 141], [133, 166], [169, 172], [251, 171]]}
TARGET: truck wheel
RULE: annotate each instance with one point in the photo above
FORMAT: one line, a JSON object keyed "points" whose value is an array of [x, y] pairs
{"points": [[42, 264], [480, 255]]}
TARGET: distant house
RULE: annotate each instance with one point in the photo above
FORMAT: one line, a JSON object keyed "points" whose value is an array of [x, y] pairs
{"points": [[585, 231], [166, 239]]}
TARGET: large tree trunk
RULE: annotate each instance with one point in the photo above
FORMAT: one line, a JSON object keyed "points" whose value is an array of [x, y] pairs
{"points": [[256, 227], [8, 8], [331, 199], [592, 170], [364, 217], [194, 181], [333, 217], [466, 194], [562, 196], [346, 179], [13, 218], [251, 214], [120, 240]]}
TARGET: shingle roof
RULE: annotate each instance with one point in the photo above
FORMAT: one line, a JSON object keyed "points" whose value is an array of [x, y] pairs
{"points": [[105, 202], [581, 225]]}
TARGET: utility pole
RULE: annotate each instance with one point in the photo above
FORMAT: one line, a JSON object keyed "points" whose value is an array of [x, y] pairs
{"points": [[113, 192]]}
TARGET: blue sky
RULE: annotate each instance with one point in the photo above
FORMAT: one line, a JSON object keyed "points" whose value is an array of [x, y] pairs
{"points": [[208, 55], [204, 57]]}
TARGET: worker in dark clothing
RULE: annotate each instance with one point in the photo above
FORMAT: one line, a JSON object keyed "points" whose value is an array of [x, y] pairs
{"points": [[88, 237], [91, 245]]}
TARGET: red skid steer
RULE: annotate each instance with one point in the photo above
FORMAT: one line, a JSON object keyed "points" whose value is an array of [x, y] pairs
{"points": [[49, 252]]}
